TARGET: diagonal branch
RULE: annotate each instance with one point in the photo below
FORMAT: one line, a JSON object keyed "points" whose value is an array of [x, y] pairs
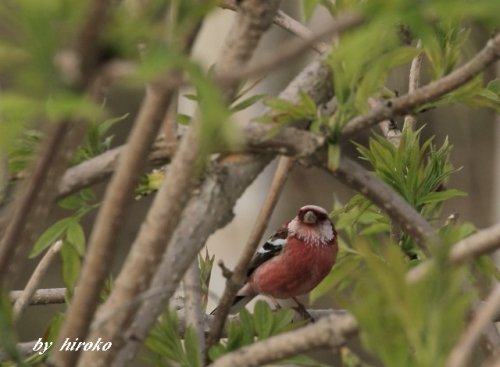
{"points": [[235, 282], [483, 242], [109, 219], [291, 50], [396, 106], [462, 351], [288, 23]]}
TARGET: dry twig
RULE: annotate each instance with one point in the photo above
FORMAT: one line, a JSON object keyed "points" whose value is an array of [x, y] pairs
{"points": [[41, 269]]}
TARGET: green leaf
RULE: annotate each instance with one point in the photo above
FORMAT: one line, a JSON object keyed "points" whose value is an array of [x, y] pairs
{"points": [[8, 335], [440, 196], [246, 103], [192, 351], [333, 156], [308, 7], [183, 119], [70, 265], [302, 360], [76, 237], [344, 266], [51, 234], [262, 318]]}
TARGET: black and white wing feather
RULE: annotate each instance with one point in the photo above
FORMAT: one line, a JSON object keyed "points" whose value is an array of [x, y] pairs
{"points": [[271, 248]]}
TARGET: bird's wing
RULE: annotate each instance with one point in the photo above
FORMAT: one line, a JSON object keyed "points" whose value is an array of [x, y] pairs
{"points": [[271, 248]]}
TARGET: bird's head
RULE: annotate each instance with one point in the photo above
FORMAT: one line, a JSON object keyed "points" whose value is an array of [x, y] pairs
{"points": [[313, 225]]}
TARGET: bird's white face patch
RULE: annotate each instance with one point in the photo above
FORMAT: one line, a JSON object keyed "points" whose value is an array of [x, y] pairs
{"points": [[319, 234]]}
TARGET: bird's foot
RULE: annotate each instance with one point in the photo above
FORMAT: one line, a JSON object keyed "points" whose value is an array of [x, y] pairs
{"points": [[302, 311]]}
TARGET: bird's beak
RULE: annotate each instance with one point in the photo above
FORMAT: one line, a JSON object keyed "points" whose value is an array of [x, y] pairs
{"points": [[310, 218]]}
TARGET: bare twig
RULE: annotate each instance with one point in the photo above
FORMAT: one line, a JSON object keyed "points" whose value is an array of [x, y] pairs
{"points": [[41, 269], [108, 222], [483, 242], [42, 296], [413, 84], [291, 50], [462, 351], [396, 106], [288, 23], [194, 313], [238, 277], [330, 331]]}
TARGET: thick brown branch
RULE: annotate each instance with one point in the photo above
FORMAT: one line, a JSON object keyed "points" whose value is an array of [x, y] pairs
{"points": [[102, 240], [193, 310], [396, 106]]}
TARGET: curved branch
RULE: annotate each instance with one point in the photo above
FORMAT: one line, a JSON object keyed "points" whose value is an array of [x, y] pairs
{"points": [[331, 331]]}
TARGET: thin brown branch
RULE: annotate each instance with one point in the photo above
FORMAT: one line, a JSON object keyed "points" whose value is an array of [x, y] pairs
{"points": [[289, 24], [461, 353], [41, 269], [290, 50], [42, 296], [396, 106], [109, 220], [238, 277], [483, 242], [193, 313], [331, 331]]}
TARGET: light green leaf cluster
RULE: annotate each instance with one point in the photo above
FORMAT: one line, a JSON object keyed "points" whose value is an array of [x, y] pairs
{"points": [[418, 172], [401, 323], [262, 324], [166, 343]]}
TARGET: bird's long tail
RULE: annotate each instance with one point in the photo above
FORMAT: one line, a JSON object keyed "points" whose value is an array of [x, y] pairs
{"points": [[238, 303]]}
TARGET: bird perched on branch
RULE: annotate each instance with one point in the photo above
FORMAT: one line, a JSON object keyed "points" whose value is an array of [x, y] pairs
{"points": [[294, 260]]}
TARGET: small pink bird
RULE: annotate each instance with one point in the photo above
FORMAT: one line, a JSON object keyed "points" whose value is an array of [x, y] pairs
{"points": [[294, 260]]}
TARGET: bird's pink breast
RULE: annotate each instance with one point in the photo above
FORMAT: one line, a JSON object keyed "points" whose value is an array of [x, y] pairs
{"points": [[297, 270]]}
